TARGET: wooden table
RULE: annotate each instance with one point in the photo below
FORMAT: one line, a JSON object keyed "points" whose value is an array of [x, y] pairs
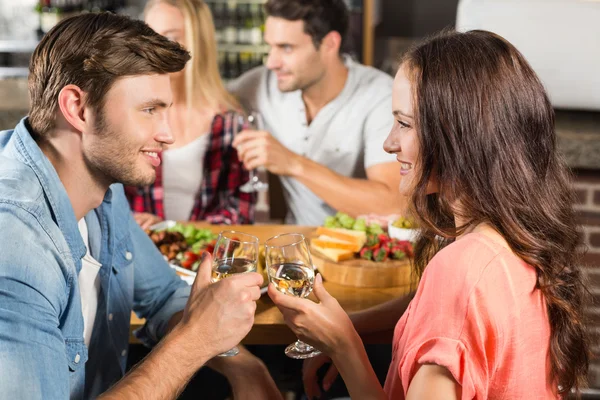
{"points": [[269, 327]]}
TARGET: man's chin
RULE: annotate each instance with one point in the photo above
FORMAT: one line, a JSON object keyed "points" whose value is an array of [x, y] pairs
{"points": [[286, 86], [145, 180]]}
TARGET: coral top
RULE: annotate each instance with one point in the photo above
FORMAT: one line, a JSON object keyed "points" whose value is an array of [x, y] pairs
{"points": [[477, 313]]}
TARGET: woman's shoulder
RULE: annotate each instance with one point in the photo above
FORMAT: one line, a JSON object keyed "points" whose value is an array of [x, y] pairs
{"points": [[466, 257]]}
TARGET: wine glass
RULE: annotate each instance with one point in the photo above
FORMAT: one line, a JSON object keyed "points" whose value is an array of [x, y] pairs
{"points": [[234, 253], [291, 270], [252, 121]]}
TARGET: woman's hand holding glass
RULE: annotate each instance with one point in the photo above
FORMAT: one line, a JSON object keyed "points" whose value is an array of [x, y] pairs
{"points": [[323, 325]]}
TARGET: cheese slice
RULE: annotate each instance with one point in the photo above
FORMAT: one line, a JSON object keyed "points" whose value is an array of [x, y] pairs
{"points": [[336, 255], [329, 242], [357, 237]]}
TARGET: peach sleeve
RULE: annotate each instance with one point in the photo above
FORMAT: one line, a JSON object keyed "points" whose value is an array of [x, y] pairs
{"points": [[450, 326]]}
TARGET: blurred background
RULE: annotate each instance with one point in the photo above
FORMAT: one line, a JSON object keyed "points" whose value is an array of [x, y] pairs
{"points": [[560, 38]]}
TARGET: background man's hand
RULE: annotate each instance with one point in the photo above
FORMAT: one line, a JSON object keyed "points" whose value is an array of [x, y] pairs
{"points": [[260, 149]]}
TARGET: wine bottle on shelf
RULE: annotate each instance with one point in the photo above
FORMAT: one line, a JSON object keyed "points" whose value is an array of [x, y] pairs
{"points": [[234, 65], [49, 16], [256, 35], [217, 13], [262, 18], [248, 24], [230, 24], [245, 62], [221, 59], [239, 24]]}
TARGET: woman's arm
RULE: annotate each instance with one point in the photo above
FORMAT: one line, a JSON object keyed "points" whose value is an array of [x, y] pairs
{"points": [[433, 382], [327, 327]]}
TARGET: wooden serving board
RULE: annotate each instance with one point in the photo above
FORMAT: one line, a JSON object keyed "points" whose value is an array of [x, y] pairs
{"points": [[363, 273]]}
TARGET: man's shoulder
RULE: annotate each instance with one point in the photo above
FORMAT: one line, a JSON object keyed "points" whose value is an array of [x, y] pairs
{"points": [[371, 81], [249, 81], [19, 184]]}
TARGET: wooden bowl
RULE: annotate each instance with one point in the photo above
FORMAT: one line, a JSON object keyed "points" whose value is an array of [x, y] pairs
{"points": [[363, 273]]}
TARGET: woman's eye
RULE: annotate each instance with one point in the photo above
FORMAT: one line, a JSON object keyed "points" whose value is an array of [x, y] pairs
{"points": [[403, 124]]}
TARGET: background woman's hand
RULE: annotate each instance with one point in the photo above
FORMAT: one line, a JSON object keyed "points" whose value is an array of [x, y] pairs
{"points": [[324, 325], [146, 220]]}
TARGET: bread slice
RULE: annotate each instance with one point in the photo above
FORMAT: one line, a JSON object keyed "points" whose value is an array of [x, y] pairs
{"points": [[357, 237], [336, 255], [329, 242]]}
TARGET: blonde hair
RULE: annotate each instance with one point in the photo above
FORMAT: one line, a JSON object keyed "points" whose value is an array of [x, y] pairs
{"points": [[202, 78]]}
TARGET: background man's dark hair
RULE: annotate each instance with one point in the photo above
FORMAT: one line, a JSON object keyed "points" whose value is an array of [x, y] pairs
{"points": [[320, 16], [92, 51]]}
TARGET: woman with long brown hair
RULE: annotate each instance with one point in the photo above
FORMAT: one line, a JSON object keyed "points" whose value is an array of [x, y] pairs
{"points": [[498, 310]]}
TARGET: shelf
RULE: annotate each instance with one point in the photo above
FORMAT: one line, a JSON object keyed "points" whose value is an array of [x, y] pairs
{"points": [[242, 48], [18, 46], [13, 72], [236, 1]]}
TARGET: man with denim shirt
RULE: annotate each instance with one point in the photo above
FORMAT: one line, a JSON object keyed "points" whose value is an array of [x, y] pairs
{"points": [[73, 262]]}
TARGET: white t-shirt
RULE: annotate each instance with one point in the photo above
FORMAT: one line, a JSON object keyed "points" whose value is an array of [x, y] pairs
{"points": [[89, 286], [346, 135], [183, 170]]}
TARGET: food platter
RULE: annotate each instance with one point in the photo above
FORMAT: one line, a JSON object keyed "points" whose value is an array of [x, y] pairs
{"points": [[182, 245], [363, 273]]}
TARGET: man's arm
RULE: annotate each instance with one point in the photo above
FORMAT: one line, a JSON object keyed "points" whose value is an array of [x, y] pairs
{"points": [[165, 372], [33, 353], [378, 193], [216, 317]]}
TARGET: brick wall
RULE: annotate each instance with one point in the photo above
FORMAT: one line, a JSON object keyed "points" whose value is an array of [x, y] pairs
{"points": [[587, 188]]}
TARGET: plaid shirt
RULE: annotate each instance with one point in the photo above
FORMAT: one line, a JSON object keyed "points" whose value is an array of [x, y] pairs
{"points": [[219, 200]]}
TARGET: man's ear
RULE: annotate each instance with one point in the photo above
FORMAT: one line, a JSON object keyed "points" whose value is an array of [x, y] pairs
{"points": [[332, 42], [72, 104]]}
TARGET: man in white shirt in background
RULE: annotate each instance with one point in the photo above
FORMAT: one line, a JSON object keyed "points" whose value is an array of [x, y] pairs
{"points": [[326, 117]]}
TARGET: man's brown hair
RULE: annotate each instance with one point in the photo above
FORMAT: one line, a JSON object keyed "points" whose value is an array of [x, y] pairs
{"points": [[319, 16], [92, 51]]}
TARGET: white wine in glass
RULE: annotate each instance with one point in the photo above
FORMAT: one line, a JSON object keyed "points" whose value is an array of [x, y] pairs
{"points": [[291, 270], [234, 253]]}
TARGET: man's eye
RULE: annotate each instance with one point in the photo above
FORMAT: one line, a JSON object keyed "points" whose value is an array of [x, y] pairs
{"points": [[149, 110]]}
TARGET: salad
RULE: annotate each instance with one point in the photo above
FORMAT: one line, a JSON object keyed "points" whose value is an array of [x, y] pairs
{"points": [[183, 244]]}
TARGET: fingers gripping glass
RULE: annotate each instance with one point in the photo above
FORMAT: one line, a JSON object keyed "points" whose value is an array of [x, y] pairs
{"points": [[234, 253], [252, 121], [291, 270]]}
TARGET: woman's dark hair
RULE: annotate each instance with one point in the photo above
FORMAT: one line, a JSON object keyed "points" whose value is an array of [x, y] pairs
{"points": [[320, 16], [486, 132]]}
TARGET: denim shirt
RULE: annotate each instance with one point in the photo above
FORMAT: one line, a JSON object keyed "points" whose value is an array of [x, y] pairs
{"points": [[42, 350]]}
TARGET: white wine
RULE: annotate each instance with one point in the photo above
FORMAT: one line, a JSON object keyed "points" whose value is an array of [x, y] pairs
{"points": [[292, 278], [230, 266]]}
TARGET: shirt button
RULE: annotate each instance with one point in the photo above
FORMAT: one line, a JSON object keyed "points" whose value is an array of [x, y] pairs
{"points": [[128, 256], [306, 138], [123, 353], [110, 317], [77, 358]]}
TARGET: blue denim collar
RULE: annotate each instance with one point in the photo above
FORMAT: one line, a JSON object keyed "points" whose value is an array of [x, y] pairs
{"points": [[54, 190]]}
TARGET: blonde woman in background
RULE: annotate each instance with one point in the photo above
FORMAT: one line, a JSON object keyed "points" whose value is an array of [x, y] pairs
{"points": [[200, 173]]}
